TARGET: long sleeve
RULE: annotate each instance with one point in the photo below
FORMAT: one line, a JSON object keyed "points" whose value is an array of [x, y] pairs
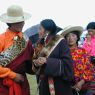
{"points": [[6, 72], [62, 65]]}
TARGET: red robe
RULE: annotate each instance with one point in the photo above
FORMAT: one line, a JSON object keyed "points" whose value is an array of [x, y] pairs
{"points": [[22, 65]]}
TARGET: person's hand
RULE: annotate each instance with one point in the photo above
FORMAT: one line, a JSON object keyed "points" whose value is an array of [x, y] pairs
{"points": [[77, 89], [36, 62], [89, 38], [19, 78], [79, 85], [40, 61]]}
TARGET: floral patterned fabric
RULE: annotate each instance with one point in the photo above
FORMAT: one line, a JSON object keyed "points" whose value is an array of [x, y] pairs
{"points": [[83, 69]]}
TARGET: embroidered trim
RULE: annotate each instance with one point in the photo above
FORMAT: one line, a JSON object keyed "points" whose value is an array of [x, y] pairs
{"points": [[13, 51]]}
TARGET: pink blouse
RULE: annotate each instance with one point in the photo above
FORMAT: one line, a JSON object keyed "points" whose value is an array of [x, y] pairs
{"points": [[90, 48]]}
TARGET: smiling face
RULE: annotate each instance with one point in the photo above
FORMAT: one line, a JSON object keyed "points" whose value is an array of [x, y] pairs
{"points": [[17, 27], [72, 39]]}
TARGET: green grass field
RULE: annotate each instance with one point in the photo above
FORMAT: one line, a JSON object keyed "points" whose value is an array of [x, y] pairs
{"points": [[33, 84]]}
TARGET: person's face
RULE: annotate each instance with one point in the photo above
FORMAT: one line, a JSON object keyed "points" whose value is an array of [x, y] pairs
{"points": [[17, 27], [71, 39], [42, 32], [91, 32]]}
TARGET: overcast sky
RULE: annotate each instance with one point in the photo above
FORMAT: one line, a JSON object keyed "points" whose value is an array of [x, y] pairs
{"points": [[63, 12]]}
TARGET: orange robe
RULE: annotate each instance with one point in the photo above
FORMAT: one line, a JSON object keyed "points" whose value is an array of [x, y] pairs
{"points": [[6, 40]]}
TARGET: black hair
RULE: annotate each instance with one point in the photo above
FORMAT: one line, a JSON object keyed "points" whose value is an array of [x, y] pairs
{"points": [[49, 25], [9, 25], [76, 33], [91, 25]]}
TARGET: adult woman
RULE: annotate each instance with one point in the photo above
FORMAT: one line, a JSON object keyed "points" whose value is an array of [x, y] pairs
{"points": [[15, 54], [55, 62], [83, 69]]}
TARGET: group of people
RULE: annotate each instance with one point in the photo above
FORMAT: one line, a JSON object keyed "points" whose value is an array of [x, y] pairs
{"points": [[61, 66]]}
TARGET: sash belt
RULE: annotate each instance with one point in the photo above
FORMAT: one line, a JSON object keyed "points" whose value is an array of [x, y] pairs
{"points": [[14, 88]]}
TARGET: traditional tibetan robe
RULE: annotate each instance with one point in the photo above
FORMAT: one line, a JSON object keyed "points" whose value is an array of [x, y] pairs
{"points": [[15, 57], [59, 68]]}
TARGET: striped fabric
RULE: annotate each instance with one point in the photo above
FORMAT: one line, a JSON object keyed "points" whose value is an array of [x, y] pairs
{"points": [[92, 87]]}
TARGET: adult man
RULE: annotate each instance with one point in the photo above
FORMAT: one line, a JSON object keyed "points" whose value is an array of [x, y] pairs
{"points": [[15, 54]]}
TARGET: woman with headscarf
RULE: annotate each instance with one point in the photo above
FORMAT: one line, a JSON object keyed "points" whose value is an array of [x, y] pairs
{"points": [[83, 69], [15, 54], [54, 62]]}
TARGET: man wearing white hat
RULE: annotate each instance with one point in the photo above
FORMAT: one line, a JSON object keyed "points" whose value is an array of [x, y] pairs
{"points": [[15, 54]]}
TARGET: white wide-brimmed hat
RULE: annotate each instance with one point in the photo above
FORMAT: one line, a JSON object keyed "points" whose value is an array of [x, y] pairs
{"points": [[69, 29], [14, 14]]}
